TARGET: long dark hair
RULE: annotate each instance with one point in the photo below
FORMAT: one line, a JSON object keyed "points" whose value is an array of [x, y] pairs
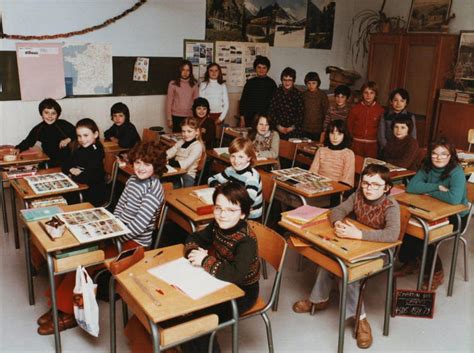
{"points": [[341, 127], [192, 79], [220, 78], [91, 125], [453, 158]]}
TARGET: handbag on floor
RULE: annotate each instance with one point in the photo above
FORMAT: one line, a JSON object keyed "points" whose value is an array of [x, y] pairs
{"points": [[86, 309]]}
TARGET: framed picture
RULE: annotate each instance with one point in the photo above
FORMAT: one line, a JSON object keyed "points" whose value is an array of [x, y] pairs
{"points": [[200, 53], [465, 63], [428, 15]]}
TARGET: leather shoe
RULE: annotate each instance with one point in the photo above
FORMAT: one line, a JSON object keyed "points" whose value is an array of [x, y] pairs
{"points": [[407, 268], [306, 306], [65, 321], [438, 279], [47, 316], [364, 334]]}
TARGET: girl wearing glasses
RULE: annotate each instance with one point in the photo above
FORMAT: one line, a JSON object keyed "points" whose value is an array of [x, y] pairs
{"points": [[441, 177], [372, 207]]}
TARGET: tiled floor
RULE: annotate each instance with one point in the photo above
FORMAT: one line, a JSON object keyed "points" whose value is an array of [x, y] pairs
{"points": [[449, 331]]}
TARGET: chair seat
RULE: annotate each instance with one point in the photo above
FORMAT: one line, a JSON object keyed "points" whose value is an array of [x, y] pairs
{"points": [[259, 305]]}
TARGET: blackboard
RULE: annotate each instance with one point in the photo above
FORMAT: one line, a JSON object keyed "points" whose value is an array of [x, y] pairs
{"points": [[9, 81], [161, 71], [414, 303]]}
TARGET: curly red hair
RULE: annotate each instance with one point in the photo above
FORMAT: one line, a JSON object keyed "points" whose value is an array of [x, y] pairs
{"points": [[150, 152]]}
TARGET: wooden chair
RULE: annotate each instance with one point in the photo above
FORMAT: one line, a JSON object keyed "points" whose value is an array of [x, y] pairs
{"points": [[160, 220], [272, 248], [470, 138], [267, 189], [150, 135], [111, 168], [287, 151], [201, 167]]}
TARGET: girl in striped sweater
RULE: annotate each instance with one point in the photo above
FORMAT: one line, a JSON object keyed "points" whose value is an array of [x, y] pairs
{"points": [[242, 158]]}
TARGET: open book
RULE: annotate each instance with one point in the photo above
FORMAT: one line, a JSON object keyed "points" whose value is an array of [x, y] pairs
{"points": [[304, 180], [205, 195], [221, 150], [46, 183], [391, 167]]}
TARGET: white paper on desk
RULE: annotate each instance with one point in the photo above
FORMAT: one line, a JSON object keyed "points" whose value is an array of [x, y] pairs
{"points": [[221, 150], [465, 155], [193, 281], [471, 178], [170, 169]]}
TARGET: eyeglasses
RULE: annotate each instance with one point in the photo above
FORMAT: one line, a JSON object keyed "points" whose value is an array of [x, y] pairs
{"points": [[219, 210], [373, 186], [440, 156]]}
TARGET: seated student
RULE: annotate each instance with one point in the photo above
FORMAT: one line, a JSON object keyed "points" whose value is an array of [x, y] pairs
{"points": [[287, 106], [441, 177], [122, 131], [227, 249], [53, 133], [265, 141], [402, 150], [137, 207], [373, 207], [399, 99], [335, 161], [339, 110], [187, 152], [242, 158], [257, 92], [201, 112], [316, 104], [86, 164]]}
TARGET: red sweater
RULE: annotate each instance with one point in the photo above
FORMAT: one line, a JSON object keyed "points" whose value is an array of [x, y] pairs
{"points": [[363, 121]]}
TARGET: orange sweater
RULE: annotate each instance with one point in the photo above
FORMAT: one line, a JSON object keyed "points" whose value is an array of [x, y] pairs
{"points": [[338, 165]]}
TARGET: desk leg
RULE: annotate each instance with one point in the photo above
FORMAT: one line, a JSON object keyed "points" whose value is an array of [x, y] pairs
{"points": [[54, 307], [424, 254], [455, 257], [235, 327], [4, 207], [388, 295], [342, 305], [113, 347], [31, 291], [270, 203], [14, 218], [155, 336], [161, 226]]}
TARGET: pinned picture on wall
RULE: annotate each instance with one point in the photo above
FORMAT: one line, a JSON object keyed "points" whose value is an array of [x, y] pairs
{"points": [[465, 64], [140, 71], [428, 15], [200, 53], [320, 24]]}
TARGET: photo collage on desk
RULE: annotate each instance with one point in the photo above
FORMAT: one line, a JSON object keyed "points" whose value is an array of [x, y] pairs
{"points": [[53, 182]]}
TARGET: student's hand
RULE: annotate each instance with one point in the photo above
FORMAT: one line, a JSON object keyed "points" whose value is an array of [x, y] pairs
{"points": [[196, 256], [347, 230], [169, 122], [75, 171], [282, 129], [64, 143], [443, 188], [242, 121]]}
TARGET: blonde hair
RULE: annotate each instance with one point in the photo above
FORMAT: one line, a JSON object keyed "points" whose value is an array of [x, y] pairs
{"points": [[193, 123], [245, 145]]}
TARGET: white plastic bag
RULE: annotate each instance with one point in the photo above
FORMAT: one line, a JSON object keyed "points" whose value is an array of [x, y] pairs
{"points": [[86, 309]]}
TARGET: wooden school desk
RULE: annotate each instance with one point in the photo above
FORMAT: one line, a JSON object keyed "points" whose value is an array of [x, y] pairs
{"points": [[305, 152], [152, 307], [113, 147], [169, 140], [427, 209], [233, 132], [40, 157], [48, 248], [26, 194], [394, 175], [339, 256]]}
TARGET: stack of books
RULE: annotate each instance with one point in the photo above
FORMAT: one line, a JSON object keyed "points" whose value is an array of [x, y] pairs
{"points": [[447, 94], [465, 97], [35, 214], [305, 216], [436, 228], [391, 167], [21, 171], [50, 201]]}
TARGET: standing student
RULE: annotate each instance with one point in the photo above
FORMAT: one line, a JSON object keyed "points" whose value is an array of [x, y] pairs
{"points": [[316, 104], [53, 133], [242, 158], [86, 163], [374, 208], [399, 99], [213, 88], [257, 92], [181, 93], [442, 177], [201, 112], [122, 131], [335, 160], [187, 152], [363, 122], [402, 150], [265, 140], [339, 110], [287, 106], [138, 208]]}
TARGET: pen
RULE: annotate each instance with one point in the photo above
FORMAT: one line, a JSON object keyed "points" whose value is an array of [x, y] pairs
{"points": [[177, 288], [158, 290], [158, 253]]}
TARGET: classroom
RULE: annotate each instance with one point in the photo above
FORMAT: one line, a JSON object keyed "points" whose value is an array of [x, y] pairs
{"points": [[293, 194]]}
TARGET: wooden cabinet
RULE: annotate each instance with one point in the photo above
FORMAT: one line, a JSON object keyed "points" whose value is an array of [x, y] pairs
{"points": [[453, 120], [419, 62]]}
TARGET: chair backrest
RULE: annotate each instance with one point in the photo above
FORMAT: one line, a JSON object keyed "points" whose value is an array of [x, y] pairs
{"points": [[201, 165], [287, 149], [358, 164], [470, 138], [469, 216], [111, 168], [404, 218], [150, 135], [167, 187], [267, 185], [470, 192], [271, 245]]}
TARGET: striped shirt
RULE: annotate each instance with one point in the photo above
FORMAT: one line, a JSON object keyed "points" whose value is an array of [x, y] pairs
{"points": [[138, 208], [247, 177]]}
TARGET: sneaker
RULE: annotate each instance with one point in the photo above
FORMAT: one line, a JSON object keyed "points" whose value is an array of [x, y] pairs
{"points": [[364, 334], [306, 306]]}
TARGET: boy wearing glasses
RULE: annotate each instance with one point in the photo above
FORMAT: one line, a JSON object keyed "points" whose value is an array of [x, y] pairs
{"points": [[371, 206]]}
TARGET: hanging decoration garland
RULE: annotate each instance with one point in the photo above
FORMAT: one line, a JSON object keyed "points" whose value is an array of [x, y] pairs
{"points": [[75, 33]]}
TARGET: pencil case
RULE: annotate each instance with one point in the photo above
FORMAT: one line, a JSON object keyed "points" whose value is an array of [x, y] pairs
{"points": [[126, 259]]}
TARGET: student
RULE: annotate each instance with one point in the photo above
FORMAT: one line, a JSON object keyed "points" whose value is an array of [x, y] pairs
{"points": [[339, 110], [227, 249], [214, 90], [122, 131], [187, 152], [257, 93], [374, 208], [265, 141], [402, 150], [287, 106], [137, 207], [53, 133], [242, 158], [181, 93], [442, 177], [336, 160], [363, 122], [201, 112], [316, 104], [399, 99], [86, 163]]}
